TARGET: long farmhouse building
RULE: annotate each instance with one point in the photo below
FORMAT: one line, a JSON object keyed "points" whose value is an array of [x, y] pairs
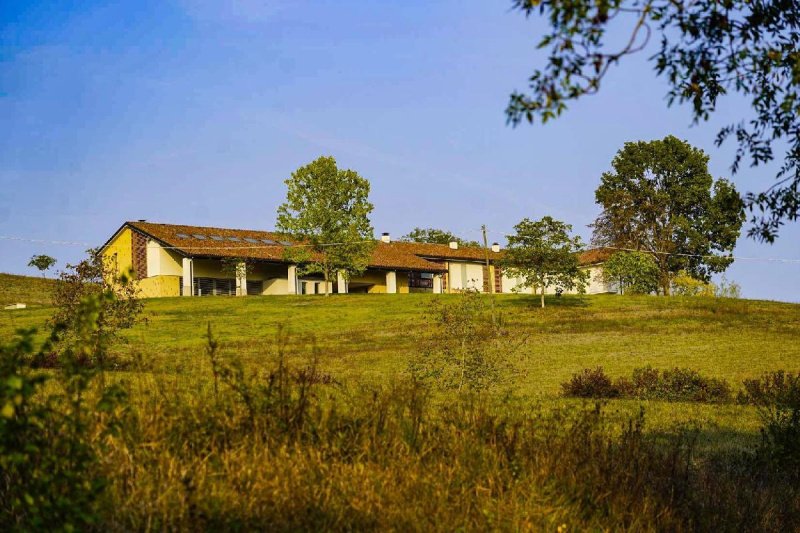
{"points": [[176, 260]]}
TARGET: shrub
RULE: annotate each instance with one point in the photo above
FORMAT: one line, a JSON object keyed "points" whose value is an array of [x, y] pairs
{"points": [[777, 397], [677, 384], [590, 383], [466, 348], [49, 461], [94, 277], [684, 284]]}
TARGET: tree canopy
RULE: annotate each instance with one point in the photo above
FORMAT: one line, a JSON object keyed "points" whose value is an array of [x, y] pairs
{"points": [[661, 199], [631, 272], [543, 254], [435, 236], [327, 211], [706, 49], [42, 262]]}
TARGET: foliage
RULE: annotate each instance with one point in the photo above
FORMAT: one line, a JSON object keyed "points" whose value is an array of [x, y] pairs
{"points": [[239, 267], [707, 49], [660, 199], [631, 272], [777, 397], [49, 451], [675, 385], [465, 347], [684, 284], [94, 277], [42, 262], [436, 236], [543, 254], [728, 289], [327, 211], [590, 383]]}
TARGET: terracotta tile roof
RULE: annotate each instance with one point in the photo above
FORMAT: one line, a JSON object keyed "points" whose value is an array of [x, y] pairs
{"points": [[594, 256], [226, 242], [443, 251]]}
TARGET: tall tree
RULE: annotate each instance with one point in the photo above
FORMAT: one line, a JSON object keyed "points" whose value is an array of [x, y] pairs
{"points": [[42, 262], [706, 49], [435, 236], [631, 272], [543, 254], [327, 212], [661, 199]]}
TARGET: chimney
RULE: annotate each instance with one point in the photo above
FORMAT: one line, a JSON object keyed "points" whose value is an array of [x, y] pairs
{"points": [[385, 237], [495, 247], [454, 245]]}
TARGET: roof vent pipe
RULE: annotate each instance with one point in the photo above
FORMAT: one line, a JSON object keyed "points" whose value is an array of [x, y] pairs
{"points": [[385, 237], [495, 247], [454, 245]]}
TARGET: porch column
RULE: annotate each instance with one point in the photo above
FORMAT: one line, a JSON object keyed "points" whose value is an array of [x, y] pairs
{"points": [[188, 276], [241, 279], [291, 286], [341, 284], [437, 284], [310, 287], [391, 282]]}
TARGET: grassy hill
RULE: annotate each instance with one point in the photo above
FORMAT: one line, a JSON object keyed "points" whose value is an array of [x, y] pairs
{"points": [[33, 291], [368, 339], [226, 451]]}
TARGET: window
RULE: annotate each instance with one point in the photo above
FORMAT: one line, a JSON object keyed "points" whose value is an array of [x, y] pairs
{"points": [[251, 240], [216, 238], [268, 241], [234, 239], [420, 280], [285, 243], [199, 236], [255, 288], [181, 235], [214, 287]]}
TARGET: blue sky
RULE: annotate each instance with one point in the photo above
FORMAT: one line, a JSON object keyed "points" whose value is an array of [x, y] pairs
{"points": [[195, 111]]}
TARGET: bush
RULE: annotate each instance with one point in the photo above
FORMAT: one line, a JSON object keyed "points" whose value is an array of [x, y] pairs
{"points": [[590, 383], [777, 397], [677, 385]]}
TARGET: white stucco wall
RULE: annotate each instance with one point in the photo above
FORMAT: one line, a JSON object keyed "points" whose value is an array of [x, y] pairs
{"points": [[162, 262], [594, 286], [465, 275]]}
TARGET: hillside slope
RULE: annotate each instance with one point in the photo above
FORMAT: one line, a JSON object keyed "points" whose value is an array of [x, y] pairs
{"points": [[33, 291]]}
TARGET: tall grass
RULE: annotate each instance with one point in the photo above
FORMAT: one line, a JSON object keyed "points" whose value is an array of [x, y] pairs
{"points": [[285, 448]]}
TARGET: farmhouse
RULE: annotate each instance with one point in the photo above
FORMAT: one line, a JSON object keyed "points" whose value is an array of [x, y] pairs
{"points": [[176, 260]]}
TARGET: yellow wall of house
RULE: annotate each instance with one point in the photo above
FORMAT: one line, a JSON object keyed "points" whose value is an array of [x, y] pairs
{"points": [[378, 280], [158, 286], [118, 251]]}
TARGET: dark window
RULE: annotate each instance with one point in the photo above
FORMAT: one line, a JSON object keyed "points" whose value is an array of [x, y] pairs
{"points": [[255, 288], [214, 287], [420, 280]]}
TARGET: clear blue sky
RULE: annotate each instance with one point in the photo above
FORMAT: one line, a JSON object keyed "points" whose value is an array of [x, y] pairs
{"points": [[195, 111]]}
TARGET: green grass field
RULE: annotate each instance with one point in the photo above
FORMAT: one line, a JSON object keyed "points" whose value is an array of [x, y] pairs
{"points": [[35, 292], [368, 339], [181, 449]]}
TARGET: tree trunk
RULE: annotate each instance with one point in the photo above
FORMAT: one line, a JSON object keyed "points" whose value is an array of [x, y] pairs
{"points": [[542, 296], [665, 284], [325, 275]]}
